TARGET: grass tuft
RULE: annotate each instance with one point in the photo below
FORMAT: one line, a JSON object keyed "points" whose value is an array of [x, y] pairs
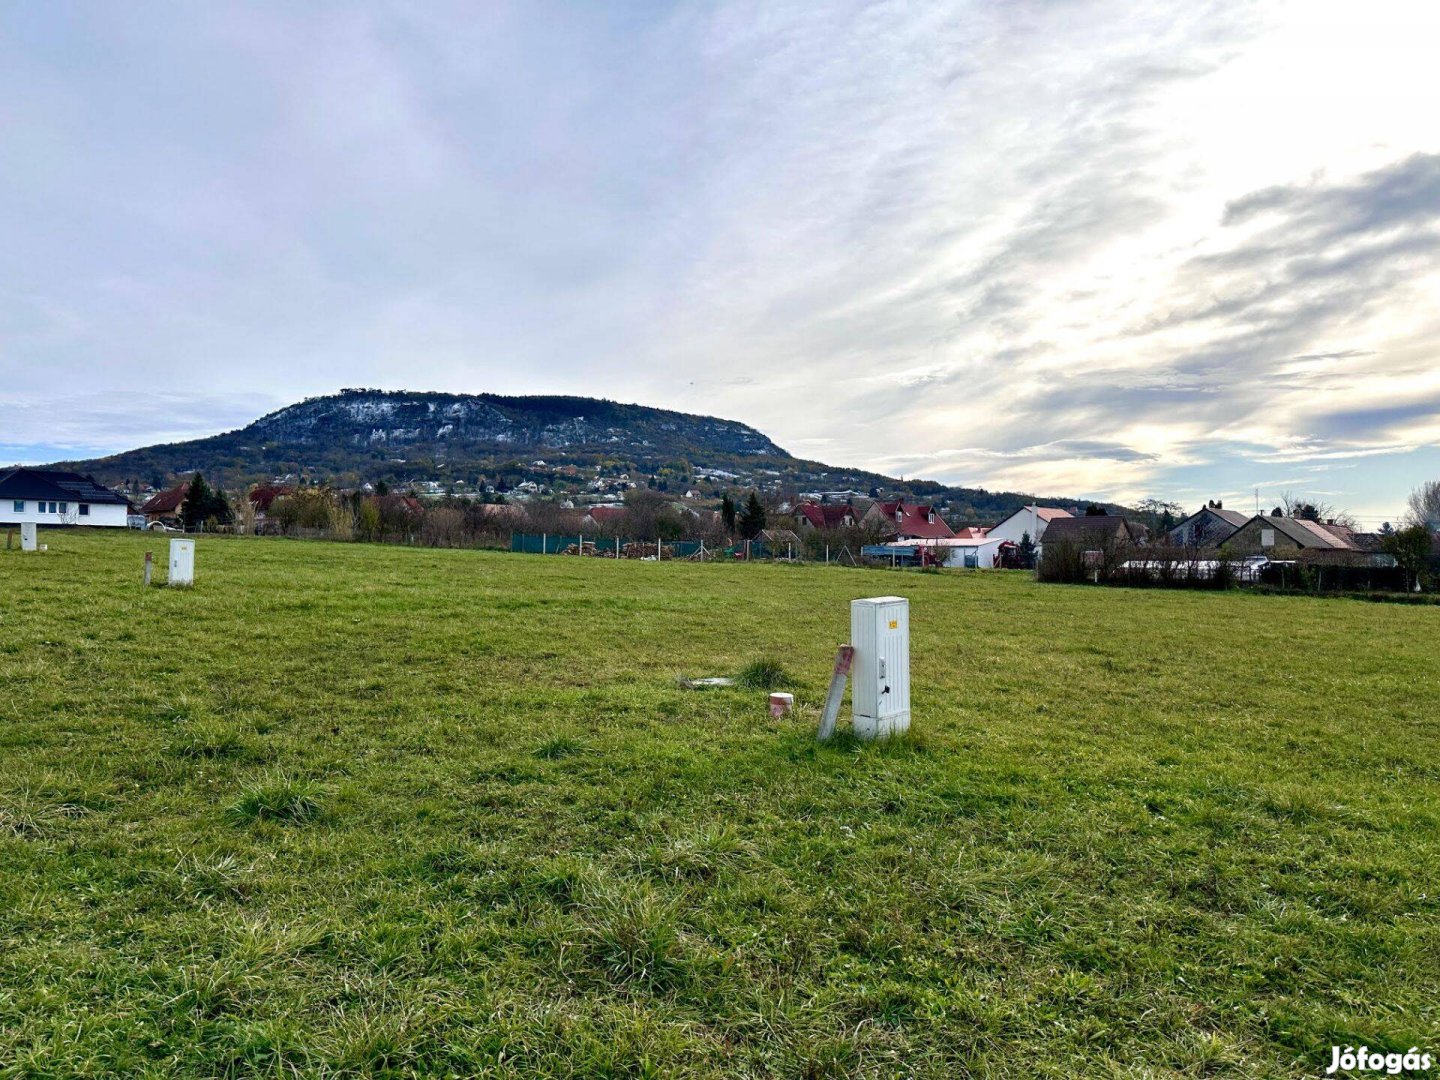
{"points": [[211, 740], [278, 798], [633, 938], [766, 673], [560, 747]]}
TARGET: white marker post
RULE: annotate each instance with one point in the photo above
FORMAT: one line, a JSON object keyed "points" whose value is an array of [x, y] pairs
{"points": [[27, 536], [149, 564], [843, 660], [182, 563]]}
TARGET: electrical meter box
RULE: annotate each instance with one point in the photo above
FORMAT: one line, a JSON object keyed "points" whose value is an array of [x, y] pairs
{"points": [[27, 536], [880, 693], [182, 562]]}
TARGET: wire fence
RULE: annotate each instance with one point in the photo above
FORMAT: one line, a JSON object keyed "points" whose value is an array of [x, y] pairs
{"points": [[615, 547]]}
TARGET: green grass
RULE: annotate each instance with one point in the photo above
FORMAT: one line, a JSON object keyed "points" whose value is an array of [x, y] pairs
{"points": [[374, 812]]}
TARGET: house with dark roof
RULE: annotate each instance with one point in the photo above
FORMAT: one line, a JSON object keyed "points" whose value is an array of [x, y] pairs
{"points": [[906, 521], [1031, 521], [1096, 531], [53, 497], [1208, 527], [1277, 536], [166, 506]]}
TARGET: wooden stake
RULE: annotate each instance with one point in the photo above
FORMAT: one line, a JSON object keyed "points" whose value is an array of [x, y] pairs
{"points": [[843, 659], [149, 562]]}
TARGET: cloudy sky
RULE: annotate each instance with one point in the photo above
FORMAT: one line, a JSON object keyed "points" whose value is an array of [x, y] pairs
{"points": [[1119, 249]]}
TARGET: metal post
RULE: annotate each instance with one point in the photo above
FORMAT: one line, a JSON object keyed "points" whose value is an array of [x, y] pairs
{"points": [[544, 543]]}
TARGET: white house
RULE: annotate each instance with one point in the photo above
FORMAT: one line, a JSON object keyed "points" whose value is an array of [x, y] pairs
{"points": [[975, 552], [51, 497], [1028, 520]]}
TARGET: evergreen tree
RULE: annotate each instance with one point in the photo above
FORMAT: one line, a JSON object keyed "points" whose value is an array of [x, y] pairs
{"points": [[1027, 551], [727, 512], [202, 503], [752, 518]]}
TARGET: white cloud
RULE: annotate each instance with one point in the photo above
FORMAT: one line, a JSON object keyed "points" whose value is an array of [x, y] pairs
{"points": [[1099, 247]]}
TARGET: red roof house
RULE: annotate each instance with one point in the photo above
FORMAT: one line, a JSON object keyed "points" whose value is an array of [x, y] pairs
{"points": [[908, 521], [825, 515], [601, 516], [166, 504]]}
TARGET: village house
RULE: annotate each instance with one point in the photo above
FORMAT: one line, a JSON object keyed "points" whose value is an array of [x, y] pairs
{"points": [[812, 515], [906, 521], [1031, 521], [53, 497], [1208, 527], [1278, 536], [604, 517], [262, 498], [968, 552], [1096, 531], [166, 507]]}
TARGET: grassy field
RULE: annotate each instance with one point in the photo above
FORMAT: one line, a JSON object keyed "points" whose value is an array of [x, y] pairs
{"points": [[365, 811]]}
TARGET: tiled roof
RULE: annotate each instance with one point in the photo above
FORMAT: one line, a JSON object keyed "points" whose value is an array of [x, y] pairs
{"points": [[826, 515], [1097, 525], [1310, 534], [261, 497], [167, 502], [913, 520], [601, 514]]}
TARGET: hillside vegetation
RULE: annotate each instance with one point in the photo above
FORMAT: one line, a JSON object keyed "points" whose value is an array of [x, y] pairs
{"points": [[347, 810], [359, 436]]}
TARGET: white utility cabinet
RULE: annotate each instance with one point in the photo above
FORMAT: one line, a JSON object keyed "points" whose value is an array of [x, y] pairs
{"points": [[182, 562], [880, 692], [27, 536]]}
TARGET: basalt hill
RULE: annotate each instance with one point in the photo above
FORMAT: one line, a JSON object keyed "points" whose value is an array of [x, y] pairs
{"points": [[375, 433], [400, 436]]}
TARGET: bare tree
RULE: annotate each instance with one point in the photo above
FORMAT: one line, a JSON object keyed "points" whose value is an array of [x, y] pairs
{"points": [[245, 514], [1299, 506], [1424, 506]]}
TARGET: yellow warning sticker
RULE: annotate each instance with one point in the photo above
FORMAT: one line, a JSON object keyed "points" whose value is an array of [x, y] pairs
{"points": [[894, 624]]}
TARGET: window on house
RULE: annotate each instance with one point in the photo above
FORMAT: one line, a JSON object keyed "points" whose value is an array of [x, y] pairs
{"points": [[84, 509], [64, 508], [18, 506], [932, 517], [1267, 537]]}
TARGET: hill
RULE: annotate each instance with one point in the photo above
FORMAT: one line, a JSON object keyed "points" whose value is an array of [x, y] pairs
{"points": [[473, 439]]}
